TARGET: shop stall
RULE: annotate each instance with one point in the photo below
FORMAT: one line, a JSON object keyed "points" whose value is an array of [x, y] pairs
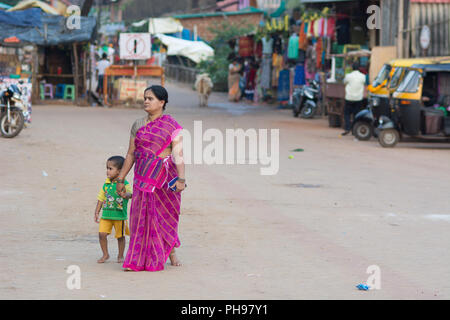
{"points": [[334, 88], [16, 67], [290, 50]]}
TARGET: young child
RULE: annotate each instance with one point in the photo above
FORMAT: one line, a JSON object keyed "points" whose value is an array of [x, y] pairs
{"points": [[114, 209]]}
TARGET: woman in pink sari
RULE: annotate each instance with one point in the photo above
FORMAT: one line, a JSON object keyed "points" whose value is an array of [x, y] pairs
{"points": [[155, 150]]}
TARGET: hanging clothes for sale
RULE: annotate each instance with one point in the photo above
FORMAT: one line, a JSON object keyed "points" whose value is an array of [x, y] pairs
{"points": [[266, 71], [319, 47], [277, 64], [283, 85], [310, 63], [317, 28], [310, 29], [267, 45], [246, 46], [321, 27], [293, 47], [324, 27], [299, 77], [331, 28], [302, 39]]}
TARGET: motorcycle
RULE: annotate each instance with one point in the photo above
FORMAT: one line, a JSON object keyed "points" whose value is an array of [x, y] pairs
{"points": [[305, 100], [12, 111], [365, 124]]}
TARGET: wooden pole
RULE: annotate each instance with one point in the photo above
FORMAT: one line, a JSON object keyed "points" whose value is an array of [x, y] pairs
{"points": [[84, 77], [76, 80], [34, 73], [400, 29]]}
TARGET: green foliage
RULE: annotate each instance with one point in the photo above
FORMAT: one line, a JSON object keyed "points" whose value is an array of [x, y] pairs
{"points": [[292, 4], [10, 2], [217, 67]]}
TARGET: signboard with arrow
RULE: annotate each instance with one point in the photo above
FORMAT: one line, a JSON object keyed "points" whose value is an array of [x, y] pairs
{"points": [[135, 46]]}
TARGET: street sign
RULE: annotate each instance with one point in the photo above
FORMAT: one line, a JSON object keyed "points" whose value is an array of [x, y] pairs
{"points": [[135, 46], [425, 37]]}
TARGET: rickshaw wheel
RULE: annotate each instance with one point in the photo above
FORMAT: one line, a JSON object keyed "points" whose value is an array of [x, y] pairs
{"points": [[388, 138], [363, 131]]}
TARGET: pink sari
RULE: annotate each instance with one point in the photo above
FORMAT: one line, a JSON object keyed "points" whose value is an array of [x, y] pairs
{"points": [[155, 208]]}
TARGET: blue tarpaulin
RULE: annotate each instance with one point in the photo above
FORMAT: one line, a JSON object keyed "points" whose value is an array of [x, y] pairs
{"points": [[37, 27], [25, 18], [185, 35]]}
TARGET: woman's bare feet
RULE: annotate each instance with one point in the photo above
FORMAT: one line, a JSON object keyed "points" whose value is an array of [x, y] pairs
{"points": [[103, 259], [120, 259], [174, 260]]}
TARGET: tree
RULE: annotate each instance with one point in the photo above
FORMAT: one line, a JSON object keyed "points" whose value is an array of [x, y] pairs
{"points": [[217, 67], [87, 5]]}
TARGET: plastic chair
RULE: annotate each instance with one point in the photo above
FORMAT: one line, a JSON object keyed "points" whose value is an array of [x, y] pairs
{"points": [[69, 91], [41, 91], [59, 92], [48, 90]]}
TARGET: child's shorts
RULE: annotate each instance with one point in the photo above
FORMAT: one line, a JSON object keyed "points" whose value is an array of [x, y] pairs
{"points": [[120, 227]]}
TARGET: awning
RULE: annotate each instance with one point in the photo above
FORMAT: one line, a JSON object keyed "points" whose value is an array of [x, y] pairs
{"points": [[195, 50], [281, 9], [35, 26], [164, 25]]}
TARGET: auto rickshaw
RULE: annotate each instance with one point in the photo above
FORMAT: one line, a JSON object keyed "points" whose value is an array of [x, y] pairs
{"points": [[380, 92], [421, 106]]}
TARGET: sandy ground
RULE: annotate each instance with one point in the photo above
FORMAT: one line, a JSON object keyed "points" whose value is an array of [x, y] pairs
{"points": [[308, 232]]}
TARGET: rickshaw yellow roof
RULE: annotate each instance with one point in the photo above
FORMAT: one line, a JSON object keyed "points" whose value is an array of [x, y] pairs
{"points": [[410, 62]]}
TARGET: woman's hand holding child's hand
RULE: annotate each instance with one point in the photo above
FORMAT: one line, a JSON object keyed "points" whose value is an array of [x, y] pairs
{"points": [[120, 188]]}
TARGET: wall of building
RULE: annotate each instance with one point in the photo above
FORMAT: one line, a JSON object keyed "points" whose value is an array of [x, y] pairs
{"points": [[204, 23], [141, 9], [437, 17]]}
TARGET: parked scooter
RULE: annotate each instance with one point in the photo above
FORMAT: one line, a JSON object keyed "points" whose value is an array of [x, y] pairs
{"points": [[306, 100], [12, 108], [366, 121]]}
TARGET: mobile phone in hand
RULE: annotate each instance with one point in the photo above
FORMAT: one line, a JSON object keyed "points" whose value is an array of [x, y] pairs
{"points": [[172, 184]]}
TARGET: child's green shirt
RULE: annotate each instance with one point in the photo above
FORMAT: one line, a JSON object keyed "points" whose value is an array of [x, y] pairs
{"points": [[114, 206]]}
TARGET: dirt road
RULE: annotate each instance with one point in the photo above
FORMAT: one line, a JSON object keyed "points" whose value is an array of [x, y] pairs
{"points": [[308, 232]]}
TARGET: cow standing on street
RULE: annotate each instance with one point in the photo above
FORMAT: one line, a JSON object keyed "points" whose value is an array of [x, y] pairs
{"points": [[203, 86]]}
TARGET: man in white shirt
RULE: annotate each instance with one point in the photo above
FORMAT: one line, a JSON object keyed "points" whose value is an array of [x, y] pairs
{"points": [[354, 95], [101, 66]]}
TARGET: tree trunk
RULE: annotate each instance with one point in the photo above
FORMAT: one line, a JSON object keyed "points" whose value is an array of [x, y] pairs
{"points": [[87, 5]]}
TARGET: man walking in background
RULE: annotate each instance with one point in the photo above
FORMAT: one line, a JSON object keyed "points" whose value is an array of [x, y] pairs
{"points": [[101, 66]]}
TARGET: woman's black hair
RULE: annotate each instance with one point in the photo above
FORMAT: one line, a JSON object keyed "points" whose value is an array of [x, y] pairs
{"points": [[160, 93], [118, 161]]}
